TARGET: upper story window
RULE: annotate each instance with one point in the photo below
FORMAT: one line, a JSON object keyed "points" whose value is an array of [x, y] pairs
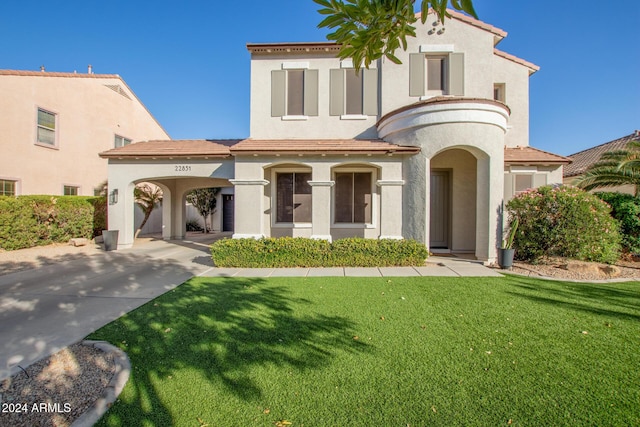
{"points": [[46, 129], [294, 93], [433, 74], [121, 141], [353, 197], [7, 187], [499, 92], [293, 197], [353, 94], [70, 190]]}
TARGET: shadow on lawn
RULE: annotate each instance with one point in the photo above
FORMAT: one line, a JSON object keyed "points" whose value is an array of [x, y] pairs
{"points": [[221, 330], [599, 298]]}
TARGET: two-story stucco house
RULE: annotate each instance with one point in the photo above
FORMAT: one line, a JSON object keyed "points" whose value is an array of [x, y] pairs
{"points": [[53, 125], [428, 149]]}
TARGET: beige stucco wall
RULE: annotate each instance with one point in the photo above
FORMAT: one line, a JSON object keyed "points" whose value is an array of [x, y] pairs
{"points": [[323, 126], [89, 115], [255, 175], [482, 68]]}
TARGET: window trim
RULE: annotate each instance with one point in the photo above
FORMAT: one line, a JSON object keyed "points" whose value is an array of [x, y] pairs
{"points": [[374, 198], [274, 197], [56, 130]]}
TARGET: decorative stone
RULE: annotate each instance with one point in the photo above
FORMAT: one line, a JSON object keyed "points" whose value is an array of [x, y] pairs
{"points": [[582, 267], [611, 270], [79, 242]]}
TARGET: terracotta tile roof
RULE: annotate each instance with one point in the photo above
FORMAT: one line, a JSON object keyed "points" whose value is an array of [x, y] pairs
{"points": [[532, 67], [530, 155], [583, 159], [202, 148], [186, 148], [57, 74], [312, 146]]}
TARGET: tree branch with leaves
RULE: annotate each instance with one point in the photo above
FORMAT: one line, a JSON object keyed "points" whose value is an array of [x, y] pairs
{"points": [[367, 30]]}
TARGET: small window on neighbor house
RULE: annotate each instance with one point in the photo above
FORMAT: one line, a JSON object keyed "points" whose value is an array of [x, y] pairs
{"points": [[46, 130], [353, 197], [499, 92], [523, 182], [70, 190], [293, 197], [121, 141], [7, 187]]}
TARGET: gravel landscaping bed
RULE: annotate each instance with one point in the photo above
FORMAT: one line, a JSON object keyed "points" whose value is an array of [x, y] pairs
{"points": [[57, 390]]}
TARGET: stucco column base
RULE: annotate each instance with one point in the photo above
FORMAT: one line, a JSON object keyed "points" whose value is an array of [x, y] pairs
{"points": [[249, 207], [321, 202]]}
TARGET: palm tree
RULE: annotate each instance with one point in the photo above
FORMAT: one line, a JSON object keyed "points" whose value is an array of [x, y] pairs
{"points": [[147, 197], [620, 167]]}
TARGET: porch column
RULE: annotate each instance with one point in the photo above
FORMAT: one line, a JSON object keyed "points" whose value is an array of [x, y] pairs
{"points": [[321, 202], [120, 210], [490, 185], [249, 208], [390, 208]]}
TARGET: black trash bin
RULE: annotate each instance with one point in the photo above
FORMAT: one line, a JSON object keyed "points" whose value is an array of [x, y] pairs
{"points": [[110, 238]]}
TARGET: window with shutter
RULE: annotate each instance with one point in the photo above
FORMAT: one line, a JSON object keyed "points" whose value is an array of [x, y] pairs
{"points": [[353, 94], [294, 93], [436, 74]]}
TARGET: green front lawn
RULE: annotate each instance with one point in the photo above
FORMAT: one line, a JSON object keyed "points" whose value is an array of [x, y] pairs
{"points": [[381, 352]]}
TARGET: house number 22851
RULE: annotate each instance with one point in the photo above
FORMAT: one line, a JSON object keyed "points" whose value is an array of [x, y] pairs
{"points": [[182, 168]]}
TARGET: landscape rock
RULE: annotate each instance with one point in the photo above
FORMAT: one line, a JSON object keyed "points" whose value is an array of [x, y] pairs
{"points": [[79, 242], [611, 270], [582, 268]]}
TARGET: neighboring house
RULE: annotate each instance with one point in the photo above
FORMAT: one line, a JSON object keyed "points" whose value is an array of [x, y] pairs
{"points": [[584, 159], [53, 125], [428, 149]]}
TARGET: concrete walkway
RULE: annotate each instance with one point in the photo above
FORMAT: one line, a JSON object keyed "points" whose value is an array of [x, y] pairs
{"points": [[43, 310]]}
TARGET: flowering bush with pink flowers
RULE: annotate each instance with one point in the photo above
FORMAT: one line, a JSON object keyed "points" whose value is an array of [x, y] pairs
{"points": [[564, 221]]}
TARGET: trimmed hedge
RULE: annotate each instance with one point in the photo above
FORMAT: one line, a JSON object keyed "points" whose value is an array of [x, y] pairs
{"points": [[303, 252], [626, 209], [27, 221], [564, 221]]}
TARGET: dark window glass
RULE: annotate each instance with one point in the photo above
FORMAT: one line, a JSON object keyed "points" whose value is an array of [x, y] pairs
{"points": [[353, 197], [293, 197]]}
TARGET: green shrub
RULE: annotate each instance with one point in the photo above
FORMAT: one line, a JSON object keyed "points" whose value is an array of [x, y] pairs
{"points": [[302, 252], [626, 209], [564, 221], [27, 221]]}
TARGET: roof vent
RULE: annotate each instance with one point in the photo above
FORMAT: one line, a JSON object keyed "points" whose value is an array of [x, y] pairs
{"points": [[89, 69], [42, 68]]}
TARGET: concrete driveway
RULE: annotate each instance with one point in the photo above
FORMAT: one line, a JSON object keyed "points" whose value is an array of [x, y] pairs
{"points": [[43, 310]]}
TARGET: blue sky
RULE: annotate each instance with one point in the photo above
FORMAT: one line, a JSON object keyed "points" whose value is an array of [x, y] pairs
{"points": [[187, 61]]}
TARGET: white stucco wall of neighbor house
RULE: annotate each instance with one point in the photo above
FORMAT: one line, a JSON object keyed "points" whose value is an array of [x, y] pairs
{"points": [[90, 110]]}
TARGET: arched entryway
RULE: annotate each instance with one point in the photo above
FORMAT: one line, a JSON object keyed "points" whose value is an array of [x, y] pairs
{"points": [[453, 193]]}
